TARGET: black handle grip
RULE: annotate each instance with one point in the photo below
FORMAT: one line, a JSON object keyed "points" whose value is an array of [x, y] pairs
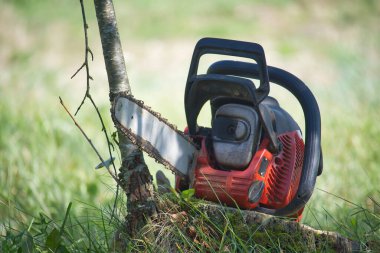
{"points": [[208, 87], [313, 154], [232, 48]]}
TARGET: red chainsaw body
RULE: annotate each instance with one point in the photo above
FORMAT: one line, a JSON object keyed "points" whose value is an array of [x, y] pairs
{"points": [[280, 174], [228, 187]]}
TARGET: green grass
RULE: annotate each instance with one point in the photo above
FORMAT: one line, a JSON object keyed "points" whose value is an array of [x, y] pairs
{"points": [[92, 232], [45, 163], [184, 225]]}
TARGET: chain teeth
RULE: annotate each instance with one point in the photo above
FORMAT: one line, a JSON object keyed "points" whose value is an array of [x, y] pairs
{"points": [[143, 144]]}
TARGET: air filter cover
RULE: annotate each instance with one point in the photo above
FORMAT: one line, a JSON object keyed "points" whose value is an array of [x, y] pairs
{"points": [[235, 131]]}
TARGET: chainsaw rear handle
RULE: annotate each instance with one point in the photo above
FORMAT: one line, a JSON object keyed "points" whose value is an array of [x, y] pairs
{"points": [[232, 48], [312, 165]]}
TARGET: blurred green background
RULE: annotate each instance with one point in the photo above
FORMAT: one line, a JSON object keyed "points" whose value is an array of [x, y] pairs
{"points": [[334, 46]]}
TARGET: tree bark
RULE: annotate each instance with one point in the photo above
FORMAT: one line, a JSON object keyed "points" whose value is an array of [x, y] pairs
{"points": [[134, 175]]}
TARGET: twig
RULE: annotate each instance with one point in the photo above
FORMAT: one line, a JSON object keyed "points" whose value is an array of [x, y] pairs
{"points": [[85, 64], [76, 72], [88, 78], [88, 140]]}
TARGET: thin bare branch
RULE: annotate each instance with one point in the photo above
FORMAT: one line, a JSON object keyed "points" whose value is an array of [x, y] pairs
{"points": [[88, 52], [78, 70], [88, 140], [88, 78], [91, 53], [85, 64], [80, 105]]}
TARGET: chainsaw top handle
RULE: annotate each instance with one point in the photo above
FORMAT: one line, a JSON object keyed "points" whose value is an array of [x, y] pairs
{"points": [[232, 48], [313, 161]]}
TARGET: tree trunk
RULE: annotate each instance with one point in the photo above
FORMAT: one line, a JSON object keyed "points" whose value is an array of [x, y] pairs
{"points": [[134, 175]]}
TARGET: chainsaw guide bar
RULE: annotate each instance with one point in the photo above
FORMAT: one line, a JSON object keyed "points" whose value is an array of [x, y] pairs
{"points": [[154, 134]]}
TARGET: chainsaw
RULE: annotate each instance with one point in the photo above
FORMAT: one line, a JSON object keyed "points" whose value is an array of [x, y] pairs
{"points": [[253, 156]]}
